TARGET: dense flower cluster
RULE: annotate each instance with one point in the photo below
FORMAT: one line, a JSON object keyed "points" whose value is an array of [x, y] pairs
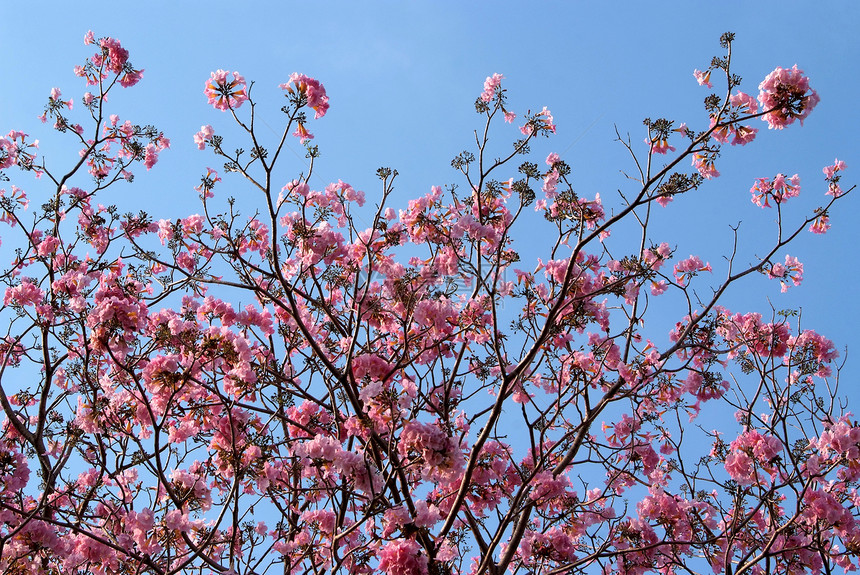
{"points": [[787, 96]]}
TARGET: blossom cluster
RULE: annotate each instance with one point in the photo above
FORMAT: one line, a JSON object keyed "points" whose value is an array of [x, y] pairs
{"points": [[226, 93], [786, 95], [779, 189]]}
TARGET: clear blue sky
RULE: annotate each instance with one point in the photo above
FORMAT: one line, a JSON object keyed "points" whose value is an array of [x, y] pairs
{"points": [[402, 78]]}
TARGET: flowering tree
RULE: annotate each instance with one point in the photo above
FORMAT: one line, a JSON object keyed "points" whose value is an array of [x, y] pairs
{"points": [[400, 396]]}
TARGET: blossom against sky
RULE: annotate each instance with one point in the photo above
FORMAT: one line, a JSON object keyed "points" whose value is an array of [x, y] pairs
{"points": [[402, 79]]}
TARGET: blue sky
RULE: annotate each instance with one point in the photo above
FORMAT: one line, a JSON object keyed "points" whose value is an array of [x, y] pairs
{"points": [[402, 78]]}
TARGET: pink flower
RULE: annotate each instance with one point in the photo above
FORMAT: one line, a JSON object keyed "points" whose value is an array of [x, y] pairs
{"points": [[658, 287], [208, 182], [786, 93], [225, 94], [116, 54], [491, 84], [751, 450], [8, 153], [204, 135], [655, 256], [703, 78], [779, 189], [688, 268], [302, 133], [831, 171], [659, 146], [791, 270], [48, 246], [25, 293], [744, 103], [550, 183], [131, 78], [312, 90], [705, 164], [402, 557], [545, 117], [150, 156], [739, 467], [820, 225], [831, 175], [743, 135], [541, 123], [55, 96]]}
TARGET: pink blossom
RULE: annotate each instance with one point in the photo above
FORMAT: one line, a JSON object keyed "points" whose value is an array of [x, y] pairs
{"points": [[24, 294], [541, 123], [224, 94], [831, 171], [703, 78], [659, 146], [208, 182], [786, 93], [749, 451], [818, 346], [150, 156], [688, 268], [744, 103], [48, 246], [204, 135], [656, 256], [832, 176], [658, 287], [841, 438], [8, 153], [312, 90], [55, 96], [402, 557], [791, 270], [705, 164], [131, 78], [739, 467], [550, 183], [192, 225], [117, 56], [302, 133], [491, 84], [546, 119], [743, 135], [779, 189], [820, 225]]}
